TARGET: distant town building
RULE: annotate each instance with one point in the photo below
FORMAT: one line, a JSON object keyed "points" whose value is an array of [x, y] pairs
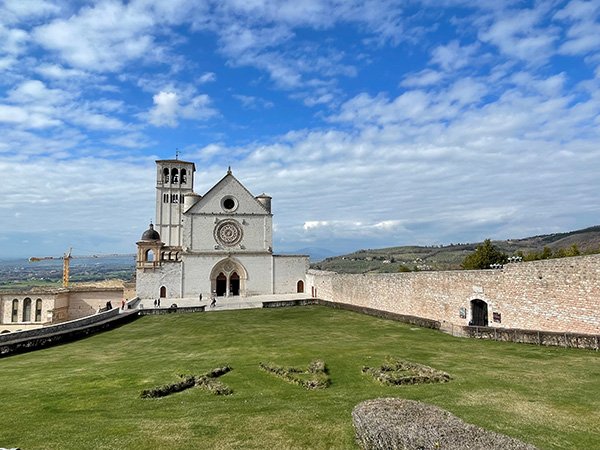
{"points": [[219, 244]]}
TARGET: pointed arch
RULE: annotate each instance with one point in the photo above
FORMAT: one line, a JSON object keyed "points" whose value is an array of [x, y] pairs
{"points": [[228, 277]]}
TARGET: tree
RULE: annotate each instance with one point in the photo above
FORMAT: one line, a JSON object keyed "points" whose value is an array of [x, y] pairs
{"points": [[485, 255]]}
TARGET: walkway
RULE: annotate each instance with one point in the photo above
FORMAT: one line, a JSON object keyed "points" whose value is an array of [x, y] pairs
{"points": [[225, 303]]}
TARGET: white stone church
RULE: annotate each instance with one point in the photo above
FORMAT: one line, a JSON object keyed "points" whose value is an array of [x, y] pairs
{"points": [[219, 244]]}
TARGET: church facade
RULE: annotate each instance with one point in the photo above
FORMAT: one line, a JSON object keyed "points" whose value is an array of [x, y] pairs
{"points": [[219, 243]]}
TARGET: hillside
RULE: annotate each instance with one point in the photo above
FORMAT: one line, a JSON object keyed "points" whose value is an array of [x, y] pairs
{"points": [[449, 257]]}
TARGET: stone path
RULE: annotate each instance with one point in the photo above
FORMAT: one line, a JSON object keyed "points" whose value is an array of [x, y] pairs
{"points": [[224, 303]]}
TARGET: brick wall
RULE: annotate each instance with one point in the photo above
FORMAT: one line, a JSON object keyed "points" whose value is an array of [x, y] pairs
{"points": [[560, 295]]}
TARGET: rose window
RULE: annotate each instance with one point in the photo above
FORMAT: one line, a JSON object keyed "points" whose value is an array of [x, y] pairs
{"points": [[228, 233]]}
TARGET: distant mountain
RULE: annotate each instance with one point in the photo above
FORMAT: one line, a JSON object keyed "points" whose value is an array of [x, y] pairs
{"points": [[448, 257], [315, 253]]}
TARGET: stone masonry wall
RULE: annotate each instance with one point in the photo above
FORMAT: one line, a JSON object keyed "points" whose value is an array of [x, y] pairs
{"points": [[551, 295]]}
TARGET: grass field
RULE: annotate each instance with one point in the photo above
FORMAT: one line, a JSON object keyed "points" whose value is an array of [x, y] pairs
{"points": [[86, 395]]}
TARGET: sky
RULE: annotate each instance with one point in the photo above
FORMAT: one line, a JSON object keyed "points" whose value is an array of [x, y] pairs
{"points": [[371, 124]]}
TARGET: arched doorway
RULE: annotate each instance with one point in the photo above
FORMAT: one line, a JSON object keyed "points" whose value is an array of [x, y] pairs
{"points": [[300, 287], [479, 313], [163, 292], [228, 277], [221, 284]]}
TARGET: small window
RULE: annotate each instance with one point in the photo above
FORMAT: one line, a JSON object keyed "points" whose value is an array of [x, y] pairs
{"points": [[15, 310], [174, 176], [183, 176], [165, 198], [38, 310], [166, 175], [174, 198]]}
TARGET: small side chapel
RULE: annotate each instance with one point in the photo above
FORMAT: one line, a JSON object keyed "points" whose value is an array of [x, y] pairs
{"points": [[219, 244]]}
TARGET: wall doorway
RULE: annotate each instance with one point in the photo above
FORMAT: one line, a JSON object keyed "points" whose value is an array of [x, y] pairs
{"points": [[163, 292], [234, 284], [300, 287], [221, 285], [479, 313]]}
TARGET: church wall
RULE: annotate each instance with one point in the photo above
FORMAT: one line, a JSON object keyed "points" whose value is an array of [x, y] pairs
{"points": [[199, 232], [288, 270], [260, 273], [211, 203], [149, 281], [551, 295], [196, 274]]}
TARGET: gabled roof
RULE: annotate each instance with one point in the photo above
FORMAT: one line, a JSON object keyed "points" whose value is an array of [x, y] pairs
{"points": [[228, 178]]}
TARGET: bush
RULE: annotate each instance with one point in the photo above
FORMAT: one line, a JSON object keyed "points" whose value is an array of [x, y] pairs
{"points": [[485, 255]]}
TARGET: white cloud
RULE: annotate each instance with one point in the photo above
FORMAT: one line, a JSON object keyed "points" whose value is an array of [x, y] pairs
{"points": [[423, 78], [165, 110], [453, 56], [520, 34], [169, 108], [56, 71], [101, 37], [207, 77]]}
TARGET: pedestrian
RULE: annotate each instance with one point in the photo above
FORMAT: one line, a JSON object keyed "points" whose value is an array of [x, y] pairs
{"points": [[122, 304], [155, 302], [158, 302], [200, 297], [213, 302]]}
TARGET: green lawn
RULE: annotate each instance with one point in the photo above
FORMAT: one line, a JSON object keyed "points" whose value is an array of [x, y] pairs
{"points": [[86, 395]]}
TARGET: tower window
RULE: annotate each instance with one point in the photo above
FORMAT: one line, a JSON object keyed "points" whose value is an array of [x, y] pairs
{"points": [[165, 198], [166, 175], [174, 176], [174, 198], [183, 176]]}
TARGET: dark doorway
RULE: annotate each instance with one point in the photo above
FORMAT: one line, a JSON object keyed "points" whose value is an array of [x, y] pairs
{"points": [[234, 284], [221, 285], [300, 287], [479, 313], [163, 292]]}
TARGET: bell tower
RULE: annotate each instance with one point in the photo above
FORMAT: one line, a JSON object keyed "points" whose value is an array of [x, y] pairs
{"points": [[174, 179]]}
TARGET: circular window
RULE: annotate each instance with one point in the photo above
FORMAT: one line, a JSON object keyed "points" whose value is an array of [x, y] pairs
{"points": [[229, 204], [228, 233]]}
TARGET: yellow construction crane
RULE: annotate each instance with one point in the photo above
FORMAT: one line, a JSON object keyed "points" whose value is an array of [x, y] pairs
{"points": [[66, 258]]}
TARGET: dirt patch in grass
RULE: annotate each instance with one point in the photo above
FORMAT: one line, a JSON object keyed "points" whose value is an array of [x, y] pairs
{"points": [[392, 423]]}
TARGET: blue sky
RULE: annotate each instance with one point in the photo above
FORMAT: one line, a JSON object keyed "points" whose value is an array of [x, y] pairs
{"points": [[370, 124]]}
